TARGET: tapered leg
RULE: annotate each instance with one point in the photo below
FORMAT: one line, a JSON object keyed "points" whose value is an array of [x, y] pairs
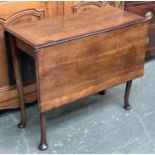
{"points": [[19, 81], [43, 144], [127, 106], [103, 92]]}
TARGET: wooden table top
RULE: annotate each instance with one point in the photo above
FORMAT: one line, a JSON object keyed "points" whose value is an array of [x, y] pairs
{"points": [[39, 34]]}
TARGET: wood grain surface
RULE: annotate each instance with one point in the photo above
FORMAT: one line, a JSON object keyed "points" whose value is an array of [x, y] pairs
{"points": [[65, 28], [79, 55], [75, 69], [82, 54]]}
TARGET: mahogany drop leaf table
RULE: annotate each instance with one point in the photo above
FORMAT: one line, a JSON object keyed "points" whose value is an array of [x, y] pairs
{"points": [[78, 55]]}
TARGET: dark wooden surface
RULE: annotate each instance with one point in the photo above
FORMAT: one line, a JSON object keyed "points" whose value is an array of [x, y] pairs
{"points": [[147, 10]]}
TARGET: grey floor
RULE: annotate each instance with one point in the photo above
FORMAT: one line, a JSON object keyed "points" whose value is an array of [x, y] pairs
{"points": [[96, 124]]}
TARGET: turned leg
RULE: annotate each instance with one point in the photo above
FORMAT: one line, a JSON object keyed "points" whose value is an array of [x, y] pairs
{"points": [[19, 81], [127, 106], [103, 92], [43, 144]]}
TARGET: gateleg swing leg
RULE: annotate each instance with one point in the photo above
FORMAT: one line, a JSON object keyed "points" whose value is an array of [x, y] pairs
{"points": [[19, 82]]}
